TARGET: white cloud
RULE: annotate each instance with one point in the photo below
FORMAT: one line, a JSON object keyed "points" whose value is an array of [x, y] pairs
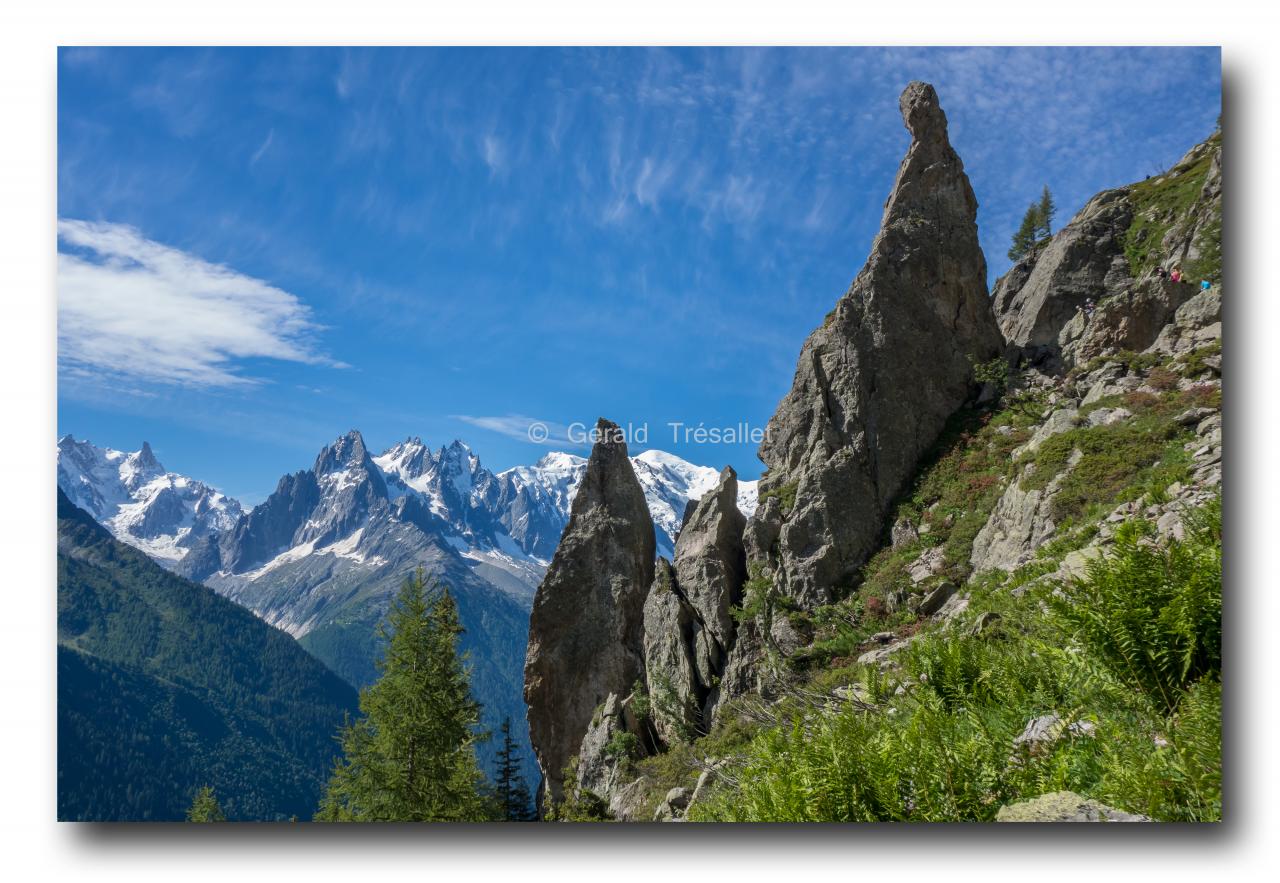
{"points": [[136, 308], [527, 429], [494, 154], [266, 145]]}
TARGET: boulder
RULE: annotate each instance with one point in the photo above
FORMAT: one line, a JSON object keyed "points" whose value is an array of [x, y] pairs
{"points": [[903, 533], [931, 562], [627, 800], [876, 383], [673, 805], [1057, 422], [1064, 806], [1108, 416], [1042, 732], [585, 629], [1197, 323], [1021, 522], [934, 599], [984, 623]]}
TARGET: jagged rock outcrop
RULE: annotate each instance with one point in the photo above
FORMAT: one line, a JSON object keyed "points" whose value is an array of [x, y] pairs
{"points": [[1197, 323], [689, 629], [1021, 522], [1131, 320], [1192, 239], [1108, 253], [1085, 259], [748, 669], [585, 631], [877, 381], [671, 630], [597, 767]]}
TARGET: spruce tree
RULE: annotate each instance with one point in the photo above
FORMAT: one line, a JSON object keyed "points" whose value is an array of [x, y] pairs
{"points": [[1045, 211], [513, 802], [205, 807], [1025, 239], [410, 756]]}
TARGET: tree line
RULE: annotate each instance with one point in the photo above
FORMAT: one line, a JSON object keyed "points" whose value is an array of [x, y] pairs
{"points": [[410, 754]]}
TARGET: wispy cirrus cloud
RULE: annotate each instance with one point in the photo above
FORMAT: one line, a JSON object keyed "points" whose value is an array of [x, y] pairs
{"points": [[529, 429], [132, 307]]}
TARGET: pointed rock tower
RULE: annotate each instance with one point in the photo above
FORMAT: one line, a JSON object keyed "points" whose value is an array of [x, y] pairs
{"points": [[876, 383], [585, 631], [689, 629]]}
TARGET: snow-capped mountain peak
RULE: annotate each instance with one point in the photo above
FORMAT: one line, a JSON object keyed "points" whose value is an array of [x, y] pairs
{"points": [[162, 513]]}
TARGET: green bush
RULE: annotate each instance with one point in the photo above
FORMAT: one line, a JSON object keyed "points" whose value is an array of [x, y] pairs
{"points": [[786, 495], [622, 746]]}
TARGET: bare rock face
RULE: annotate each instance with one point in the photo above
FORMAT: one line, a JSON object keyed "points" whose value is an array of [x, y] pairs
{"points": [[876, 383], [585, 631], [1131, 320], [1197, 323], [671, 630], [711, 567], [689, 630], [1085, 259], [1021, 522]]}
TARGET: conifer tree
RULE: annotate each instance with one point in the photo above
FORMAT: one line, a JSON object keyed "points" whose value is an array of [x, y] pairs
{"points": [[410, 756], [1025, 239], [513, 802], [1045, 211], [205, 807]]}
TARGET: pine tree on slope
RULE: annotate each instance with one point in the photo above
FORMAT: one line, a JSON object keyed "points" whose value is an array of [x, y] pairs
{"points": [[410, 756], [512, 799], [205, 807]]}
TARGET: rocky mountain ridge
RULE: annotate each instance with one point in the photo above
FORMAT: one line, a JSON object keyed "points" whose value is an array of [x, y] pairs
{"points": [[322, 556], [899, 485], [162, 513], [168, 515]]}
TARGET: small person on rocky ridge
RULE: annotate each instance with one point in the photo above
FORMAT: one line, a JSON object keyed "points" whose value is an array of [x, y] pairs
{"points": [[1160, 274], [1089, 306], [1176, 275], [1204, 285]]}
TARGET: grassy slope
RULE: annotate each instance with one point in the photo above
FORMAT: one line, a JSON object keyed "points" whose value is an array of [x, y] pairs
{"points": [[945, 750], [1159, 204]]}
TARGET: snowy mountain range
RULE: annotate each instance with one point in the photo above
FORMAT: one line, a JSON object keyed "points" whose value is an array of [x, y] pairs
{"points": [[325, 553], [519, 513], [162, 513]]}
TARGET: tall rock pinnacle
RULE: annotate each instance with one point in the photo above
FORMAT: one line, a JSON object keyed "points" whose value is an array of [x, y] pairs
{"points": [[688, 623], [877, 381], [585, 631]]}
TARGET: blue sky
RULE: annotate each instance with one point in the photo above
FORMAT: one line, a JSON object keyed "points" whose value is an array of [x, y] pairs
{"points": [[262, 248]]}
